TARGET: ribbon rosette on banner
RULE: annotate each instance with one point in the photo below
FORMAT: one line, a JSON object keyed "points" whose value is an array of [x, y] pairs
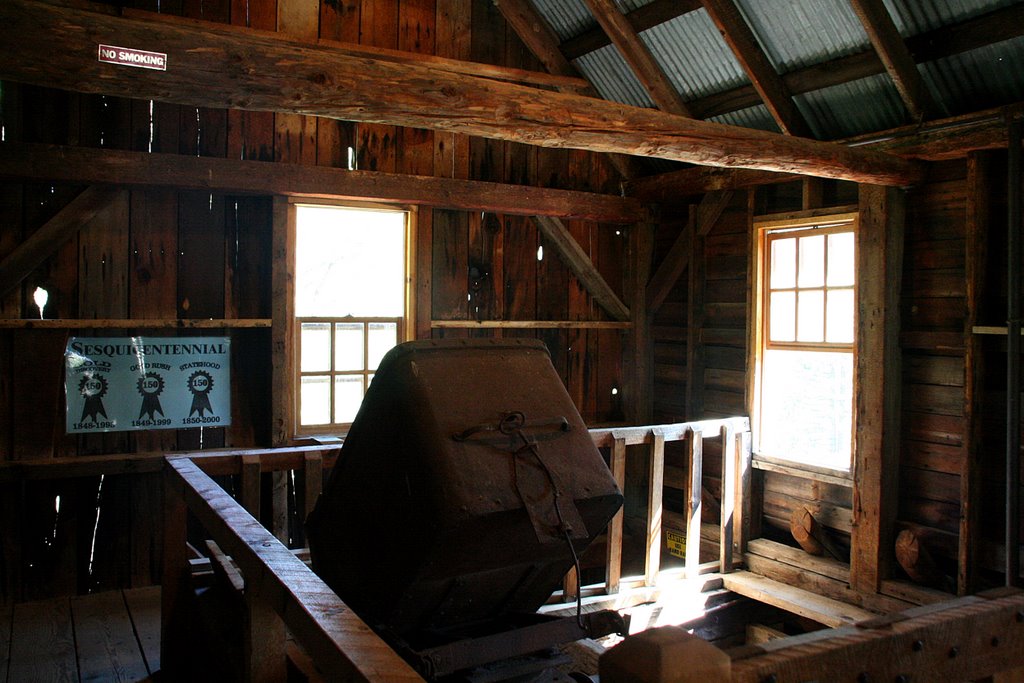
{"points": [[92, 388], [200, 384], [151, 385]]}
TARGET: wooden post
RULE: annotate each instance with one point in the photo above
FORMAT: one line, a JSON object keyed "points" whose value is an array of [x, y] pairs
{"points": [[979, 216], [656, 482], [613, 568], [174, 637], [744, 504], [283, 419], [250, 498], [638, 350], [878, 381], [694, 324], [694, 452], [313, 475]]}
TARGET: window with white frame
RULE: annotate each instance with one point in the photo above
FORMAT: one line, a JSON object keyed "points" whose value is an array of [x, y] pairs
{"points": [[351, 306], [804, 384]]}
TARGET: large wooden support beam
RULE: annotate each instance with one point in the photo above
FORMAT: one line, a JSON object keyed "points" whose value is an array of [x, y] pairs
{"points": [[48, 238], [582, 267], [213, 67], [966, 639], [880, 234], [24, 161]]}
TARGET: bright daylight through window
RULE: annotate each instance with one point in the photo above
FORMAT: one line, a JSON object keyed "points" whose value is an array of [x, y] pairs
{"points": [[804, 410], [350, 305]]}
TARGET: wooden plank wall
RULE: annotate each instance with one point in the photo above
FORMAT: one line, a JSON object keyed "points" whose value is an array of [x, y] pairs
{"points": [[164, 254], [700, 355]]}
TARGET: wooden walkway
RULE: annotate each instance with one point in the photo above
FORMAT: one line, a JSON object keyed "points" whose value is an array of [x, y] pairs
{"points": [[112, 636]]}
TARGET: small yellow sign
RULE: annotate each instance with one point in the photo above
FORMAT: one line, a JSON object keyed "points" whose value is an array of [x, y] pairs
{"points": [[676, 543]]}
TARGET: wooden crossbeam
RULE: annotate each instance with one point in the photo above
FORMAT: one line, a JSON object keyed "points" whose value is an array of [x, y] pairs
{"points": [[582, 267], [765, 79], [26, 161], [55, 232], [218, 68]]}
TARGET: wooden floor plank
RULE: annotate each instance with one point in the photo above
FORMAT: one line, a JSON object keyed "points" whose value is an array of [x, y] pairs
{"points": [[144, 609], [43, 642], [796, 600], [107, 648]]}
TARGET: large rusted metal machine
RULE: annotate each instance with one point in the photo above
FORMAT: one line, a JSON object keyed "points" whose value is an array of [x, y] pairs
{"points": [[467, 487]]}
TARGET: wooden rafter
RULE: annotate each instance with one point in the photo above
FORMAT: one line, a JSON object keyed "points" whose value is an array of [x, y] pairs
{"points": [[216, 68], [55, 232], [639, 58], [765, 79], [641, 19], [1002, 24], [896, 57], [51, 163], [577, 260]]}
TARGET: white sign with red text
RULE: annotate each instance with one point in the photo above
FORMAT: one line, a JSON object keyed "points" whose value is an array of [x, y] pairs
{"points": [[127, 56]]}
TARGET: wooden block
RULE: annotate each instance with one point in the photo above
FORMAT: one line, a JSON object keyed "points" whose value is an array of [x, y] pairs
{"points": [[804, 529], [105, 640], [664, 655]]}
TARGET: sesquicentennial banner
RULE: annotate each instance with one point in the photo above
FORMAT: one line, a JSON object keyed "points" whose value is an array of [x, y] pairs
{"points": [[116, 384]]}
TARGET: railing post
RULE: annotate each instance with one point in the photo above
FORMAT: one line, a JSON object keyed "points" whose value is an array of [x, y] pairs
{"points": [[744, 505], [656, 482], [729, 472], [613, 571], [174, 596], [251, 484], [263, 639], [313, 476], [694, 452]]}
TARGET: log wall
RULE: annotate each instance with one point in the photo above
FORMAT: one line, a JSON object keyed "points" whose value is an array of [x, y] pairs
{"points": [[165, 254]]}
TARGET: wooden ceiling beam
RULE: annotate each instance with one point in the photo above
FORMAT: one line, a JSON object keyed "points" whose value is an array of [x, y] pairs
{"points": [[1001, 24], [893, 52], [214, 68], [53, 163], [639, 58], [641, 19], [763, 76]]}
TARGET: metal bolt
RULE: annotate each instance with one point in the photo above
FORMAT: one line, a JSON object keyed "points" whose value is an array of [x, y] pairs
{"points": [[1020, 617], [995, 641], [918, 645], [770, 678], [902, 678], [953, 652]]}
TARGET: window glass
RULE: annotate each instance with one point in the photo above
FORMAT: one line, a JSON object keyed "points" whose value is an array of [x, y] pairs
{"points": [[350, 299], [804, 409]]}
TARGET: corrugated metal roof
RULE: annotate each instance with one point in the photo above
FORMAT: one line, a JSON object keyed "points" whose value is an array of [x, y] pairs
{"points": [[567, 18], [612, 78], [693, 55], [917, 16], [796, 34]]}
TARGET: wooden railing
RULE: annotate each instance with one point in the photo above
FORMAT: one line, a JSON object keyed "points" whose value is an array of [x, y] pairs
{"points": [[282, 590]]}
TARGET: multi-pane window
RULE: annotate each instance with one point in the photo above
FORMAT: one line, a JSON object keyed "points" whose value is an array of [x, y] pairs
{"points": [[804, 410], [351, 301]]}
